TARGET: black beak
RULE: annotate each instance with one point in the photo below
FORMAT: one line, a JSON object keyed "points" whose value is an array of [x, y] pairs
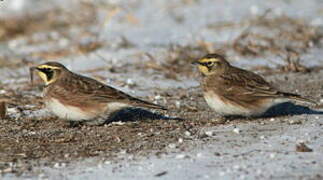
{"points": [[31, 69], [31, 73]]}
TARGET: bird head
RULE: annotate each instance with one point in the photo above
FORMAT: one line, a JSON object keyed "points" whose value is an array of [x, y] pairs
{"points": [[211, 63], [49, 72]]}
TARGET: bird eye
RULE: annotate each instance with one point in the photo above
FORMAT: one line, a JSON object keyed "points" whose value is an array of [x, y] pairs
{"points": [[210, 63], [46, 69]]}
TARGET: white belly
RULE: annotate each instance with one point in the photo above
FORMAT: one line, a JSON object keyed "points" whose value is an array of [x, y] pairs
{"points": [[70, 113], [115, 106], [225, 108]]}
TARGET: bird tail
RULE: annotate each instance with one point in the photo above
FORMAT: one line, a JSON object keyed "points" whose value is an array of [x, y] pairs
{"points": [[297, 97]]}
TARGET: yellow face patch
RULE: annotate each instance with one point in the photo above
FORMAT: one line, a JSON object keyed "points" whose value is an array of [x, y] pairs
{"points": [[43, 77], [206, 60], [47, 67], [47, 73], [203, 69], [206, 64]]}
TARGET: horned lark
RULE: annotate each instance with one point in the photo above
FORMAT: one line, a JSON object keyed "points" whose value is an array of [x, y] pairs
{"points": [[229, 90], [74, 97]]}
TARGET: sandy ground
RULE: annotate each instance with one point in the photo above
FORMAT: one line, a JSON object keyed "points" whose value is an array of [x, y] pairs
{"points": [[145, 49]]}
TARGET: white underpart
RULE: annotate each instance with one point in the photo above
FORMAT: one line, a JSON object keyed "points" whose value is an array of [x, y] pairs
{"points": [[116, 106], [67, 112], [73, 113], [228, 109]]}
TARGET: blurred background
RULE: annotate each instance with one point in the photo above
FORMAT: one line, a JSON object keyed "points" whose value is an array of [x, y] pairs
{"points": [[159, 35]]}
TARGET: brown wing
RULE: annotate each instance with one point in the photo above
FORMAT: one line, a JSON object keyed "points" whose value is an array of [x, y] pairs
{"points": [[242, 87], [90, 90], [249, 83]]}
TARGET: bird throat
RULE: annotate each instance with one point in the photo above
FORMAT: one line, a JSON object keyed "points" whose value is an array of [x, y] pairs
{"points": [[46, 77], [205, 70]]}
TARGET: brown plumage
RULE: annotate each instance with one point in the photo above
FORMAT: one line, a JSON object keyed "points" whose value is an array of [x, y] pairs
{"points": [[81, 98], [90, 91], [233, 91]]}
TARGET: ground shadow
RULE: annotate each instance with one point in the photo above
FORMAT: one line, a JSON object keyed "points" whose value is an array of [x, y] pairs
{"points": [[137, 114], [285, 109]]}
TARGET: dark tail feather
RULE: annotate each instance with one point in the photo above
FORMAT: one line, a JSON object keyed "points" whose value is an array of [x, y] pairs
{"points": [[297, 97]]}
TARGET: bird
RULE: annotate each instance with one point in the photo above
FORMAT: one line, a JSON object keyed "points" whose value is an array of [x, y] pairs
{"points": [[77, 98], [232, 91]]}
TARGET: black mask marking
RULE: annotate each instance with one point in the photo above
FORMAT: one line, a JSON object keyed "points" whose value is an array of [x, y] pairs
{"points": [[208, 65], [49, 72]]}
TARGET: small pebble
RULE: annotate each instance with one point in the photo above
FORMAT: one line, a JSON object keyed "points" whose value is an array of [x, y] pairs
{"points": [[123, 152], [29, 106], [157, 97], [236, 167], [180, 140], [130, 157], [272, 119], [199, 155], [12, 110], [100, 166], [172, 146], [59, 165], [311, 44], [130, 82], [118, 123], [272, 155], [187, 133], [107, 162], [295, 122], [209, 133], [67, 155], [181, 156], [302, 147], [178, 104], [32, 132], [161, 174], [236, 130]]}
